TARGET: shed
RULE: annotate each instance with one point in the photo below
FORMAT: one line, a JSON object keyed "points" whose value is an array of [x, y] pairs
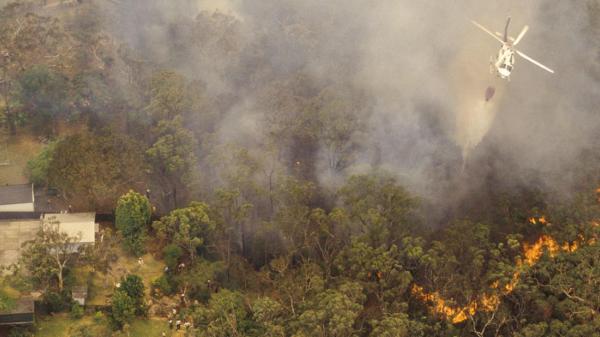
{"points": [[81, 225], [17, 198], [79, 294], [21, 314]]}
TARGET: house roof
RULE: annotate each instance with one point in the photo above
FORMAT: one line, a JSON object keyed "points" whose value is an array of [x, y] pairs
{"points": [[75, 224], [21, 313], [79, 292], [22, 306], [13, 234], [16, 194]]}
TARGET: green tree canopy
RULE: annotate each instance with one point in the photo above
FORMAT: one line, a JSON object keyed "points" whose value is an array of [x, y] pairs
{"points": [[190, 228], [381, 208], [172, 155], [44, 94], [132, 218], [92, 169]]}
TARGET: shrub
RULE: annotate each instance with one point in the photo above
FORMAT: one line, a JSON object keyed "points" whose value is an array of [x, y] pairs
{"points": [[162, 285], [172, 253], [76, 311], [56, 302]]}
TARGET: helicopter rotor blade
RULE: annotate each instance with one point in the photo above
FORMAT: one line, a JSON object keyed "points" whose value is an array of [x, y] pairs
{"points": [[506, 29], [521, 34], [487, 31], [534, 62]]}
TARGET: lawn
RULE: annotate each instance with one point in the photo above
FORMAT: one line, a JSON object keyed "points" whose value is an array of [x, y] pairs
{"points": [[16, 151], [103, 285], [14, 155], [63, 326]]}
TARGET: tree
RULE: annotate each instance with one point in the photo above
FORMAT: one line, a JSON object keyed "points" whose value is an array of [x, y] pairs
{"points": [[223, 316], [6, 302], [37, 168], [50, 254], [381, 209], [293, 216], [172, 155], [189, 228], [231, 214], [168, 97], [92, 169], [29, 41], [332, 313], [379, 272], [397, 325], [43, 94], [134, 287], [268, 313], [127, 301], [341, 111], [296, 286], [122, 309], [132, 217]]}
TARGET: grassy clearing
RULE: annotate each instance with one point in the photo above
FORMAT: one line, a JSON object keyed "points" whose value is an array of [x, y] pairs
{"points": [[63, 326], [60, 325], [102, 285], [15, 153], [149, 328]]}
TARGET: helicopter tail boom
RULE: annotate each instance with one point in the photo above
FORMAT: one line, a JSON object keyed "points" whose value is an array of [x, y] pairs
{"points": [[506, 29]]}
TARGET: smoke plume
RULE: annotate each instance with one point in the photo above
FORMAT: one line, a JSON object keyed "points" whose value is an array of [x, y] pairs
{"points": [[422, 66]]}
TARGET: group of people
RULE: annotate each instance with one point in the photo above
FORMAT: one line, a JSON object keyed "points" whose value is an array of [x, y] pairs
{"points": [[176, 324]]}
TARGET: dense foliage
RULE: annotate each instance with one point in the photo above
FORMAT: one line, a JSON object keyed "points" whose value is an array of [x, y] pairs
{"points": [[132, 217]]}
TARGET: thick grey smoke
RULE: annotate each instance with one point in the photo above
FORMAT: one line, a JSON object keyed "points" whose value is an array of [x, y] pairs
{"points": [[422, 66]]}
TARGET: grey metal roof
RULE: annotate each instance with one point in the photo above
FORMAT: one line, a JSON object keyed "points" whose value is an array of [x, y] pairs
{"points": [[16, 194], [20, 314]]}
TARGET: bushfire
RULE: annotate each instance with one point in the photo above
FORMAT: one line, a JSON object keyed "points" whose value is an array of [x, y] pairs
{"points": [[532, 252]]}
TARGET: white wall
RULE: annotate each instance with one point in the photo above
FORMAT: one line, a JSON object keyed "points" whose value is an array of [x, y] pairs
{"points": [[28, 207]]}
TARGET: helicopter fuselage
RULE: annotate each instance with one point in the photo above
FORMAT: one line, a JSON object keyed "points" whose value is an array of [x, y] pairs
{"points": [[505, 61]]}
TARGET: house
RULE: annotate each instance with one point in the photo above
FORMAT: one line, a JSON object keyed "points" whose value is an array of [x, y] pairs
{"points": [[80, 225], [14, 231], [22, 313], [17, 198], [79, 294], [18, 228]]}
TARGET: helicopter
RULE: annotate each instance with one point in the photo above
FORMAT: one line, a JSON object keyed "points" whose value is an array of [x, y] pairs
{"points": [[503, 64]]}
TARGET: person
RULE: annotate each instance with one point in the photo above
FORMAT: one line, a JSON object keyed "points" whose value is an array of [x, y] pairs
{"points": [[171, 324], [164, 334], [140, 261], [177, 325]]}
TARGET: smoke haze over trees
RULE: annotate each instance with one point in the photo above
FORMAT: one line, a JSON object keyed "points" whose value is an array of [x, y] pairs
{"points": [[401, 80]]}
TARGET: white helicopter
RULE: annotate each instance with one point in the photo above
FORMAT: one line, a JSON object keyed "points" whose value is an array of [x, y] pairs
{"points": [[503, 64]]}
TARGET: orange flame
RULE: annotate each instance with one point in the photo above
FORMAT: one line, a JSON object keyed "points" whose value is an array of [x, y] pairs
{"points": [[541, 220], [489, 302]]}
